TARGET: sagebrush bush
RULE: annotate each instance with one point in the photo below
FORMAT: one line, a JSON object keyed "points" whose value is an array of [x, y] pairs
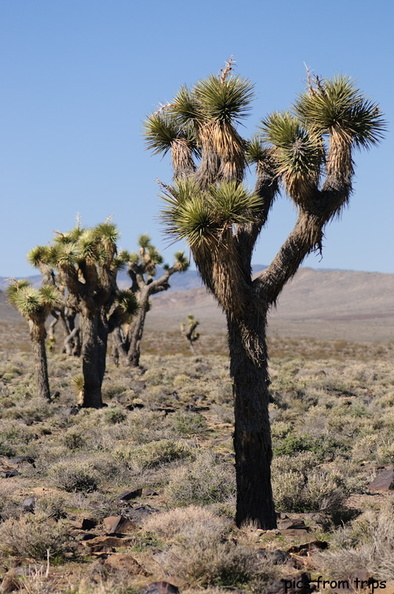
{"points": [[52, 505], [368, 543], [115, 415], [32, 536], [154, 454], [74, 476], [199, 550], [316, 492], [187, 520], [188, 424], [207, 480]]}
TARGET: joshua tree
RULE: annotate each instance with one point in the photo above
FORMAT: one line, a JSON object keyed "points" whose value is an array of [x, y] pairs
{"points": [[307, 151], [63, 310], [87, 263], [142, 268], [188, 330], [35, 305]]}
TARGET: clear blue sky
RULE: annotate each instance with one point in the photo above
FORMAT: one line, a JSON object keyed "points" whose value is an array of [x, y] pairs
{"points": [[79, 76]]}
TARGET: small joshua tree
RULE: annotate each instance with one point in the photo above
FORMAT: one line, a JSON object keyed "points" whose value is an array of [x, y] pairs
{"points": [[142, 269], [308, 151], [35, 306], [63, 311], [188, 330], [87, 263]]}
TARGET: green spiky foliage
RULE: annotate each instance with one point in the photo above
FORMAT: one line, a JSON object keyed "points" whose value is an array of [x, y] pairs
{"points": [[308, 151], [203, 216], [338, 106], [125, 308], [34, 304]]}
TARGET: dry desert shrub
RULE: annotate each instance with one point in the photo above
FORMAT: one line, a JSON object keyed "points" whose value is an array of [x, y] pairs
{"points": [[187, 520], [209, 479], [74, 477], [32, 536], [200, 551], [9, 502], [154, 454], [367, 543], [316, 491]]}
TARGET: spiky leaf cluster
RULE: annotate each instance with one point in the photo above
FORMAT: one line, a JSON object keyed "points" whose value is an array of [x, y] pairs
{"points": [[125, 308], [181, 262], [224, 100], [204, 115], [148, 257], [33, 304], [337, 105], [330, 119], [201, 216]]}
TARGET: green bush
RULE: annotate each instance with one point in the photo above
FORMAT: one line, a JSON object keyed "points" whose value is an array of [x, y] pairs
{"points": [[73, 476], [154, 454], [188, 424], [315, 492], [205, 481], [115, 415]]}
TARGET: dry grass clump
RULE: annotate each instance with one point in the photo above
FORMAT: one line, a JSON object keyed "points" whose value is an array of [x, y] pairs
{"points": [[77, 477], [180, 522], [315, 492], [154, 454], [209, 479], [200, 551], [32, 536], [367, 543]]}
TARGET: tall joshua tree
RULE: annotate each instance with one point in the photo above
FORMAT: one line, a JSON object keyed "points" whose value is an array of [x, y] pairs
{"points": [[142, 269], [35, 306], [87, 263], [308, 151]]}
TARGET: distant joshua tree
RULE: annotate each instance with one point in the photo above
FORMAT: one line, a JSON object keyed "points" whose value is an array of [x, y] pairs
{"points": [[87, 263], [63, 311], [307, 151], [142, 269], [35, 306], [188, 330]]}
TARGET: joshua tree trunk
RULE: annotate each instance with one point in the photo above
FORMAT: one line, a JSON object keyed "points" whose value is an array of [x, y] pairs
{"points": [[137, 329], [252, 434], [94, 346], [41, 366]]}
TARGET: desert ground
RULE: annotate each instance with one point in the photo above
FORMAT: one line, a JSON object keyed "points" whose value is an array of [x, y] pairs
{"points": [[142, 491]]}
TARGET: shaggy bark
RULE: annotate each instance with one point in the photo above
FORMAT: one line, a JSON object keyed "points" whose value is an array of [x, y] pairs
{"points": [[41, 367], [252, 434], [137, 330], [94, 347]]}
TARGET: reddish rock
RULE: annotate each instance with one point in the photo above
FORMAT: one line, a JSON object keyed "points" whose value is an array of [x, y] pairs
{"points": [[384, 481], [102, 544], [118, 525]]}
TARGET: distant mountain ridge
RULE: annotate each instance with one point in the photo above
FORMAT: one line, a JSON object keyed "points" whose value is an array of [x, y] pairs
{"points": [[321, 304], [180, 281]]}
